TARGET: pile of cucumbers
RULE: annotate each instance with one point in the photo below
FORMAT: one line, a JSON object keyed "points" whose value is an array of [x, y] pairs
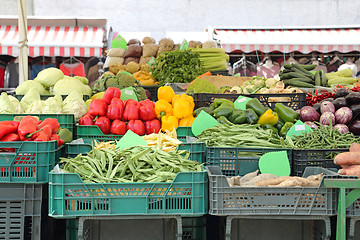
{"points": [[296, 75]]}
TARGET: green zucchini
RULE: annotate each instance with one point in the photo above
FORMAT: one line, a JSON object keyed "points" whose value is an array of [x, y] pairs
{"points": [[324, 80], [288, 66], [297, 83], [302, 79], [304, 72], [308, 67], [317, 78]]}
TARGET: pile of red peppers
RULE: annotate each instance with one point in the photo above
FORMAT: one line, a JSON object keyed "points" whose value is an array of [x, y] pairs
{"points": [[30, 129], [114, 116], [312, 99]]}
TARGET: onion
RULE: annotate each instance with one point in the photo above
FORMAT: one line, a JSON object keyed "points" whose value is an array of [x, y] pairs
{"points": [[342, 128], [309, 114], [343, 115], [326, 117], [327, 106]]}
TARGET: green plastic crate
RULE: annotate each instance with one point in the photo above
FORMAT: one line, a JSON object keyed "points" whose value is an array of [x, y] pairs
{"points": [[70, 197], [30, 162], [238, 161], [93, 132], [65, 120], [44, 97], [184, 132], [197, 150]]}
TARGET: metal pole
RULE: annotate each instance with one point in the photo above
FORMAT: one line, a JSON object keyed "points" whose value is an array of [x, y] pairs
{"points": [[23, 47]]}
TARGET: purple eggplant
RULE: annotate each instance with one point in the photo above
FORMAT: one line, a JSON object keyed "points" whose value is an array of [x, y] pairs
{"points": [[343, 115], [311, 124], [339, 103], [327, 106], [342, 128], [309, 114], [326, 118], [354, 127]]}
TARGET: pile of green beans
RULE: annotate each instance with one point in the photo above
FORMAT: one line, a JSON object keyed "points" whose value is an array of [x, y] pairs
{"points": [[135, 164], [324, 137], [241, 136]]}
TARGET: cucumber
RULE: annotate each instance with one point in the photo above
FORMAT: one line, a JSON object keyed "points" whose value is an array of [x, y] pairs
{"points": [[302, 79], [297, 75], [317, 78], [324, 80], [304, 72], [288, 66], [296, 83], [308, 67]]}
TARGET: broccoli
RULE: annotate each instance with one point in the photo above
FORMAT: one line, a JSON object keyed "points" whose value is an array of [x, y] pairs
{"points": [[125, 80], [99, 85], [140, 93], [111, 81], [200, 85]]}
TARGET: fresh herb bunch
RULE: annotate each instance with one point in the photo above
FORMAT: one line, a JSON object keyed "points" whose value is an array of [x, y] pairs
{"points": [[179, 66]]}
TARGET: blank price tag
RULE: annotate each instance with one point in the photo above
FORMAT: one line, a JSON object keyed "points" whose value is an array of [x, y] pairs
{"points": [[128, 93], [240, 102], [298, 129]]}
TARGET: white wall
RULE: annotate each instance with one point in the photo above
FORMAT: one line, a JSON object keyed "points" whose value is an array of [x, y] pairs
{"points": [[159, 16]]}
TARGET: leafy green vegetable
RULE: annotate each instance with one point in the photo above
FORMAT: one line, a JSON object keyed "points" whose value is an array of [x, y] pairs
{"points": [[16, 104], [179, 66], [5, 104], [49, 76], [35, 107], [30, 96], [68, 84], [200, 85], [53, 105], [24, 87], [74, 104]]}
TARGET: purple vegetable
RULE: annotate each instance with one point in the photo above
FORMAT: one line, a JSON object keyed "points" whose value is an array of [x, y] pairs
{"points": [[355, 127], [148, 94], [327, 106], [309, 114], [311, 124], [342, 128], [326, 117], [298, 111], [343, 115]]}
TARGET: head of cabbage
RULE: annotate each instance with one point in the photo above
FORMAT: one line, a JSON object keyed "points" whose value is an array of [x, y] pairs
{"points": [[53, 105], [35, 107], [30, 97], [6, 106], [16, 104], [68, 84], [24, 87], [74, 104], [49, 76]]}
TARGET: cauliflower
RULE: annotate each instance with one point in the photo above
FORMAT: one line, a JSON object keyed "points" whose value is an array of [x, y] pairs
{"points": [[24, 87], [236, 89], [49, 76], [68, 84], [270, 82]]}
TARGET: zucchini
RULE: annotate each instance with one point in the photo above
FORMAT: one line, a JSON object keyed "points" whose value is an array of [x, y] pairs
{"points": [[324, 80], [302, 79], [317, 78], [304, 72], [308, 67], [297, 83], [288, 66], [296, 75]]}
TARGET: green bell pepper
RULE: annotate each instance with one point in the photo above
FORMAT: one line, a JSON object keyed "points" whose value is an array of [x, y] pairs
{"points": [[219, 101], [251, 116], [285, 113], [224, 120], [238, 116], [268, 126], [279, 124], [225, 110], [255, 105], [286, 128], [208, 110]]}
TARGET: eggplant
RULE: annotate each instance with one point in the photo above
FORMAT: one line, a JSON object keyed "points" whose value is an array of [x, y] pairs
{"points": [[354, 127], [328, 99], [309, 114], [316, 106], [353, 98], [339, 103], [342, 128], [343, 115], [327, 106], [355, 109], [342, 92]]}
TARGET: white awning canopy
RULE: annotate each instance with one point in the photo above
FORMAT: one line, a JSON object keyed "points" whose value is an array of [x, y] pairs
{"points": [[286, 40]]}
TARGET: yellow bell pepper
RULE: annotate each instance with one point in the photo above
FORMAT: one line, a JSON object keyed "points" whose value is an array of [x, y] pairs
{"points": [[186, 122], [182, 108], [166, 92], [98, 95], [169, 123], [269, 117], [184, 96], [163, 108]]}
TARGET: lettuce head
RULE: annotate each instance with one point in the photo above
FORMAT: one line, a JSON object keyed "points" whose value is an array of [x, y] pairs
{"points": [[74, 104], [49, 76], [24, 87]]}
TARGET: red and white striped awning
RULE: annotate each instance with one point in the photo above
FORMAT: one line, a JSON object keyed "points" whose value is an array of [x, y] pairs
{"points": [[304, 40], [59, 41]]}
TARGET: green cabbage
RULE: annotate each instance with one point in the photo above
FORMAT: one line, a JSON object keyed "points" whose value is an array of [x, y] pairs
{"points": [[53, 105], [16, 104], [26, 85], [5, 104], [84, 80], [49, 76], [31, 96], [68, 84], [35, 107], [74, 104]]}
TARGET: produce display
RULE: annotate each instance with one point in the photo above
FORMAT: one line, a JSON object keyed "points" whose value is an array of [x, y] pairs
{"points": [[135, 164], [254, 179], [29, 128]]}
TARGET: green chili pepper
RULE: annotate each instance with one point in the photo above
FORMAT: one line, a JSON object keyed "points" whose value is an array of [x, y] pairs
{"points": [[286, 128]]}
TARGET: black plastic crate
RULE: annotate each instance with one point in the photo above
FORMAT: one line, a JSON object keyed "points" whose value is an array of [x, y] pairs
{"points": [[292, 100], [314, 158]]}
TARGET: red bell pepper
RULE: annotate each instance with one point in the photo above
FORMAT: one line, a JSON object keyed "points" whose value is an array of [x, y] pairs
{"points": [[114, 111], [44, 134], [104, 124], [97, 107], [110, 93], [153, 126], [118, 127], [131, 112], [137, 126], [53, 122], [86, 120], [10, 137], [147, 102], [118, 101], [131, 102], [147, 112], [7, 127], [57, 138], [28, 126]]}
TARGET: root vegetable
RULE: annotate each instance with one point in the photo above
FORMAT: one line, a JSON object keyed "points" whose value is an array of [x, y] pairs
{"points": [[261, 177], [248, 177], [315, 177], [347, 158], [298, 182], [275, 181], [351, 171], [355, 147]]}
